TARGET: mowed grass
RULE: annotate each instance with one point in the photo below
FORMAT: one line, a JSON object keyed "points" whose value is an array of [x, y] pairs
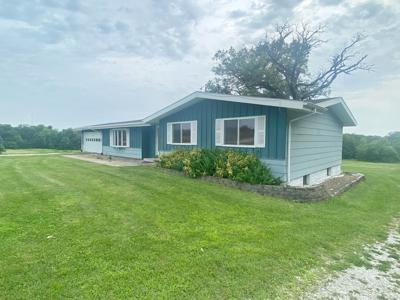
{"points": [[73, 229], [37, 151]]}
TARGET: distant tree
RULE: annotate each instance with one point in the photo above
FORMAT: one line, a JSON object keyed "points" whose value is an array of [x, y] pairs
{"points": [[394, 139], [350, 143], [2, 148], [372, 148], [69, 139], [40, 136], [388, 154], [278, 66]]}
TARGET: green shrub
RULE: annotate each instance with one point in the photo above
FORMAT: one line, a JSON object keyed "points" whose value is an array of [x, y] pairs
{"points": [[199, 162], [174, 160], [244, 167], [230, 164]]}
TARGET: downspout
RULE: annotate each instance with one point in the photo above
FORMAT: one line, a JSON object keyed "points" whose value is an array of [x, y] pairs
{"points": [[290, 141]]}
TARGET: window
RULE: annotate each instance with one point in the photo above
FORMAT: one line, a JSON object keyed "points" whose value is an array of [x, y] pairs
{"points": [[182, 133], [119, 138], [186, 135], [231, 132], [306, 179], [329, 172], [240, 132], [176, 133]]}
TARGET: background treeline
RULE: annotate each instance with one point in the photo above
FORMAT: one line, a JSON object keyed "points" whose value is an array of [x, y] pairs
{"points": [[355, 146], [372, 148], [40, 136]]}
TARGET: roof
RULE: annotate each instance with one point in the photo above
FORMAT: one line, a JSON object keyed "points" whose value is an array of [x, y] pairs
{"points": [[133, 123], [339, 107], [336, 105]]}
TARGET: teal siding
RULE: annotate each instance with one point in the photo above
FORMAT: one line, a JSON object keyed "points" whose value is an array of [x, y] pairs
{"points": [[148, 141], [278, 167], [316, 144], [135, 144], [106, 137], [136, 137], [206, 111], [123, 152]]}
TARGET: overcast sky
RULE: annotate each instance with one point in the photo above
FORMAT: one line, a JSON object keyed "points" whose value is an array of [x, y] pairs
{"points": [[72, 63]]}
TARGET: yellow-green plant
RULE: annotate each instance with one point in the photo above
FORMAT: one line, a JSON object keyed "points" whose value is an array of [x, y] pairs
{"points": [[230, 164]]}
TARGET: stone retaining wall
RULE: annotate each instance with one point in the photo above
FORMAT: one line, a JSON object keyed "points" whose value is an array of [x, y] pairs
{"points": [[328, 189]]}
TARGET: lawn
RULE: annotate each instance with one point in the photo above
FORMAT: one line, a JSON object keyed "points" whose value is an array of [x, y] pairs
{"points": [[73, 229], [37, 151]]}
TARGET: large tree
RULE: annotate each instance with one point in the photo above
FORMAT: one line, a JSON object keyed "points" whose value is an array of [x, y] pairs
{"points": [[278, 66]]}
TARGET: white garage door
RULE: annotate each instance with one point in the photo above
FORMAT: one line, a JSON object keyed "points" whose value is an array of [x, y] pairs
{"points": [[92, 142]]}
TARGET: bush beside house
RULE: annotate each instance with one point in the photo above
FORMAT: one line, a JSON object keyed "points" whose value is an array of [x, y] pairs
{"points": [[229, 164]]}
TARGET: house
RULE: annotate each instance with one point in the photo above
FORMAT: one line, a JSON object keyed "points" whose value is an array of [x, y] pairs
{"points": [[301, 142]]}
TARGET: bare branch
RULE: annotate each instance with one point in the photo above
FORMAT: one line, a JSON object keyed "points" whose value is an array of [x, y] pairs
{"points": [[278, 65]]}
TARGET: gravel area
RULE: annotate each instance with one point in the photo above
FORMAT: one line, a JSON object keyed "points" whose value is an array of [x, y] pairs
{"points": [[379, 278], [339, 184]]}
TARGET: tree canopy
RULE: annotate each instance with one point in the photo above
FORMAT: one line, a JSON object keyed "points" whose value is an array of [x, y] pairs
{"points": [[372, 148], [2, 148], [39, 136], [278, 66]]}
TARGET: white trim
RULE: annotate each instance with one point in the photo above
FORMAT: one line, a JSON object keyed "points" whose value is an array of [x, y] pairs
{"points": [[258, 130], [276, 102], [219, 132], [222, 133], [339, 100], [192, 127], [115, 125], [240, 146], [112, 131], [193, 132]]}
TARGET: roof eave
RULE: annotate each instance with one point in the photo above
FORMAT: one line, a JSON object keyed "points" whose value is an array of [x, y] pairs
{"points": [[275, 102], [347, 118], [114, 125]]}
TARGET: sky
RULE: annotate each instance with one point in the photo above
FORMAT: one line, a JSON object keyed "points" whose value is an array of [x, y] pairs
{"points": [[73, 63]]}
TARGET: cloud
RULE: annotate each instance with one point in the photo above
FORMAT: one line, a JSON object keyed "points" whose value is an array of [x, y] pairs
{"points": [[146, 28], [124, 59]]}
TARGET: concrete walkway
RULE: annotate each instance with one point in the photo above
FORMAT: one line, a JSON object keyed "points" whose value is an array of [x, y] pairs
{"points": [[104, 160]]}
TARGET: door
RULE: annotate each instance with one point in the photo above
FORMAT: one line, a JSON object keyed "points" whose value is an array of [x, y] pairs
{"points": [[92, 142]]}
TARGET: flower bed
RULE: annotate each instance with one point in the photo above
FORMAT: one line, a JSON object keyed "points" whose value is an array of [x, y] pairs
{"points": [[234, 165]]}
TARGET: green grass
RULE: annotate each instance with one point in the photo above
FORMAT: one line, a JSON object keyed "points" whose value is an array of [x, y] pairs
{"points": [[37, 151], [73, 229]]}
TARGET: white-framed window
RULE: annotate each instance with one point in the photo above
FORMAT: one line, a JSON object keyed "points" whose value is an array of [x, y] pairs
{"points": [[119, 137], [240, 132], [182, 133]]}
